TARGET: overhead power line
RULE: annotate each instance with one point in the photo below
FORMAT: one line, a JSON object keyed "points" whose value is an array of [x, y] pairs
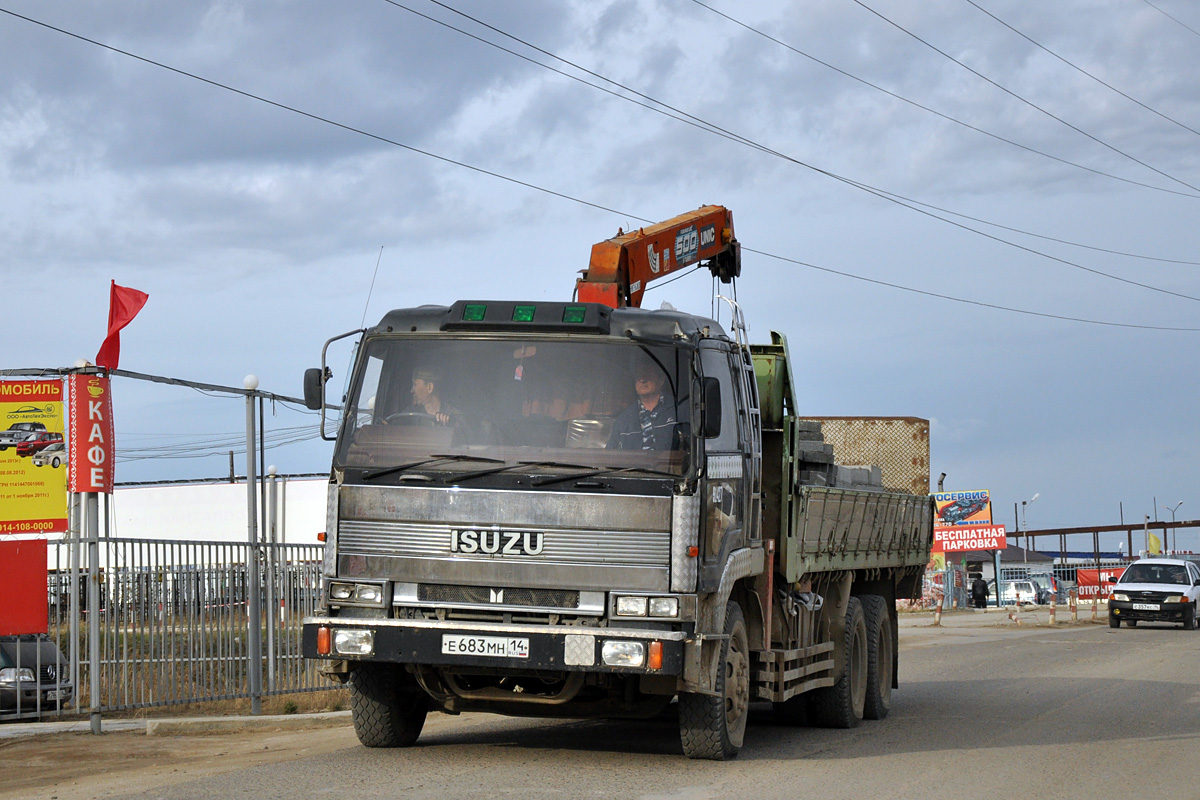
{"points": [[939, 114], [1024, 100], [954, 299], [1081, 70], [715, 129], [1173, 19], [562, 195]]}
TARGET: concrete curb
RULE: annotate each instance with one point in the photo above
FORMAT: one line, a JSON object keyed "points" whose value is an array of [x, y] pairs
{"points": [[192, 726]]}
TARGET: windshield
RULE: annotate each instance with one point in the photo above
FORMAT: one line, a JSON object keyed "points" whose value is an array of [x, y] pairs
{"points": [[596, 404], [1156, 573]]}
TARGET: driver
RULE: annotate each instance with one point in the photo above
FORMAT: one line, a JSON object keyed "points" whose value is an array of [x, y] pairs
{"points": [[426, 399], [648, 424]]}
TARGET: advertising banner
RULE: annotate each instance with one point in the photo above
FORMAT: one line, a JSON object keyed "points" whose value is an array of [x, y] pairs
{"points": [[91, 434], [23, 607], [33, 459], [962, 508], [965, 538], [1097, 583]]}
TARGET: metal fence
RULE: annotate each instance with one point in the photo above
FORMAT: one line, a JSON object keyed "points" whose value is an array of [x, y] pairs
{"points": [[174, 624]]}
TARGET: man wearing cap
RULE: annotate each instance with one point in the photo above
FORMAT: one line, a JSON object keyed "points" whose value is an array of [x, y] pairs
{"points": [[648, 424]]}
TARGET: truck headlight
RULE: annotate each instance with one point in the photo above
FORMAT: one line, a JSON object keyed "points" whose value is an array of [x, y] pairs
{"points": [[664, 606], [1120, 597], [1176, 598], [361, 594], [631, 606], [623, 654], [368, 593], [353, 641]]}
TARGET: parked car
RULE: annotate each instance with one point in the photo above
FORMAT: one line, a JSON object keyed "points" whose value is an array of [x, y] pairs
{"points": [[1156, 590], [38, 441], [1046, 586], [1021, 590], [34, 672], [19, 432], [54, 454]]}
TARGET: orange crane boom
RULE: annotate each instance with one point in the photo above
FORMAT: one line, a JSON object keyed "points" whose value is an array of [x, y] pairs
{"points": [[622, 266]]}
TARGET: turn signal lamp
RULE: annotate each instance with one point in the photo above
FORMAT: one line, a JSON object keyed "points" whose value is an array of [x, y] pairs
{"points": [[324, 641], [654, 659]]}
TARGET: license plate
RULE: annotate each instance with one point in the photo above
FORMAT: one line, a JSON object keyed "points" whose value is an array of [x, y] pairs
{"points": [[54, 695], [1145, 606], [492, 646]]}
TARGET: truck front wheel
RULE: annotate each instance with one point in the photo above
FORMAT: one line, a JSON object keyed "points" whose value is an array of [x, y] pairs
{"points": [[387, 711], [713, 727], [841, 705]]}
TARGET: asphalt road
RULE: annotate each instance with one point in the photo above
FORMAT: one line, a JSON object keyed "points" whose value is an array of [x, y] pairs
{"points": [[985, 708]]}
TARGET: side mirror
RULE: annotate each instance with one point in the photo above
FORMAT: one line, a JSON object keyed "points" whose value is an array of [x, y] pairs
{"points": [[711, 410], [314, 389]]}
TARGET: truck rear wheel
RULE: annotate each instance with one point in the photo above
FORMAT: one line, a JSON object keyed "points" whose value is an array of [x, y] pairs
{"points": [[386, 712], [881, 650], [714, 727], [841, 705]]}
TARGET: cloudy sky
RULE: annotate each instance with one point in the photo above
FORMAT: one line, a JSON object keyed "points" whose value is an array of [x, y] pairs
{"points": [[974, 211]]}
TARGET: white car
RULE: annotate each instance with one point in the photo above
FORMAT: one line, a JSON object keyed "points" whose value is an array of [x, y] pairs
{"points": [[1156, 590], [54, 455], [1017, 591]]}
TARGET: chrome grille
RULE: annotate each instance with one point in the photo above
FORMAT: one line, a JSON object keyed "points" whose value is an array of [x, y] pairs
{"points": [[544, 598], [380, 538]]}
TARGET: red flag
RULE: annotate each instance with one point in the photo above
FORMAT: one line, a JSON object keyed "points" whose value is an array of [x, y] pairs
{"points": [[123, 305]]}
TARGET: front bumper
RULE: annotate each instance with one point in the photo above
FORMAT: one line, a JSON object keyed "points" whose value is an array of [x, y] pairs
{"points": [[1165, 612], [561, 648], [30, 696]]}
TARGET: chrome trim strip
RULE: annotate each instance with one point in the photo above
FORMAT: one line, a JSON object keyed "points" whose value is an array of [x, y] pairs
{"points": [[508, 630]]}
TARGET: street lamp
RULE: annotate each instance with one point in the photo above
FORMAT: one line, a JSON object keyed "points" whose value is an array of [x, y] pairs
{"points": [[1174, 532], [1024, 527]]}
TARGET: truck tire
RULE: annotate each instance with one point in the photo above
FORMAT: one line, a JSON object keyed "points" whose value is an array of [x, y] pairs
{"points": [[386, 713], [1189, 618], [1114, 622], [841, 705], [713, 727], [881, 650]]}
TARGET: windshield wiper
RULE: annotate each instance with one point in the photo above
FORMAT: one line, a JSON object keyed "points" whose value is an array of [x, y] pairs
{"points": [[594, 472], [379, 473], [466, 476]]}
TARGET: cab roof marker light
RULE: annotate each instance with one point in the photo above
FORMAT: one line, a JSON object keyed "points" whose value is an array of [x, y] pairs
{"points": [[574, 314], [523, 313], [474, 312]]}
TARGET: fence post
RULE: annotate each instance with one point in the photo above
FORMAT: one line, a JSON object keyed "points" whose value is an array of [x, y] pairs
{"points": [[253, 588], [92, 517], [1073, 599], [272, 612]]}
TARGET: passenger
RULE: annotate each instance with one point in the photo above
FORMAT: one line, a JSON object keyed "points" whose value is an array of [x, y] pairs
{"points": [[649, 423], [426, 399]]}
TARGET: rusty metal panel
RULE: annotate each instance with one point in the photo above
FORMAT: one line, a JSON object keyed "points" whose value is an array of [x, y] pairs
{"points": [[899, 446]]}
